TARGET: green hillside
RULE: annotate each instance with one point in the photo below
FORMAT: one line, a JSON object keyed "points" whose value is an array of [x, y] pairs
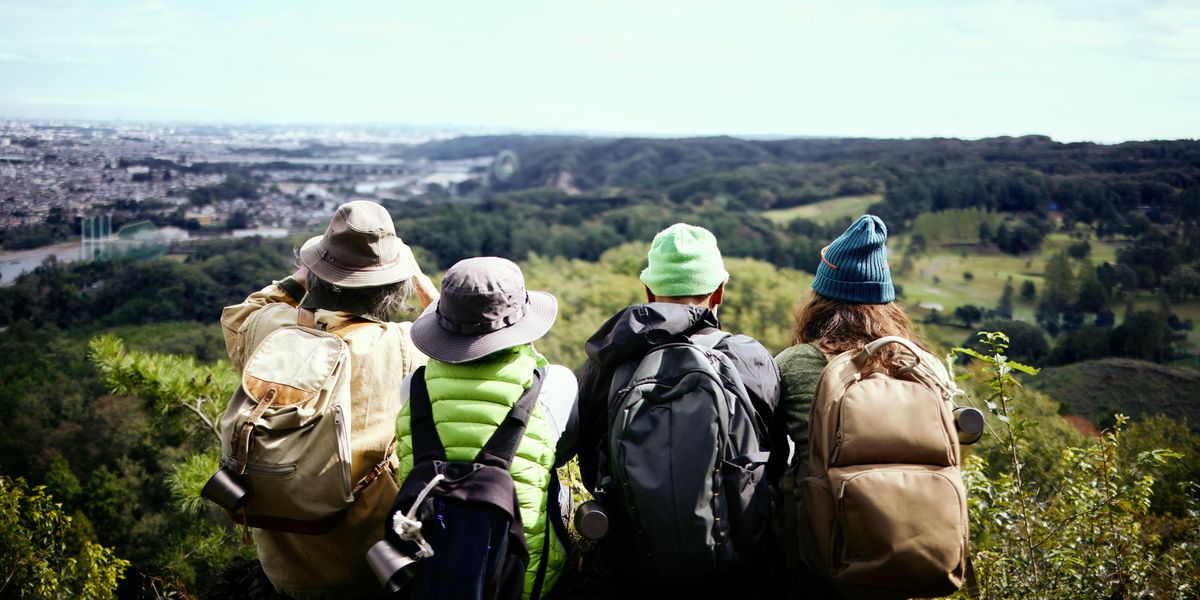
{"points": [[1098, 388]]}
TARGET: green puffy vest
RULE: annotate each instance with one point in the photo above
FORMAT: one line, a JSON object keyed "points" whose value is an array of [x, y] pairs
{"points": [[469, 401]]}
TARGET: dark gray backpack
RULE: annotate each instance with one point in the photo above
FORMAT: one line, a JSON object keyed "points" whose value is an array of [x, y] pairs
{"points": [[684, 461]]}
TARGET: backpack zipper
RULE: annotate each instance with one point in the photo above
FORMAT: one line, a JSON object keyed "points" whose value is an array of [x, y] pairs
{"points": [[276, 471], [343, 442]]}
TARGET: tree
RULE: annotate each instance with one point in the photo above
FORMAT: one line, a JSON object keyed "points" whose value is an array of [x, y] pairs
{"points": [[1028, 341], [1182, 283], [1004, 306], [1028, 290], [1091, 297], [1082, 344], [1142, 335], [968, 314], [1058, 292], [1079, 250], [917, 244]]}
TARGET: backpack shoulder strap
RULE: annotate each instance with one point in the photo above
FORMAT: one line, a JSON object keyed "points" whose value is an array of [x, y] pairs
{"points": [[306, 317], [502, 446], [710, 338], [426, 443]]}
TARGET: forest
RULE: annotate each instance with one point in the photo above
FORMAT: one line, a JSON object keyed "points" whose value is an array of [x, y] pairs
{"points": [[1086, 257]]}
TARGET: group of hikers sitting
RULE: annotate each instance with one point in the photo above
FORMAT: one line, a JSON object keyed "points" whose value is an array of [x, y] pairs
{"points": [[366, 455]]}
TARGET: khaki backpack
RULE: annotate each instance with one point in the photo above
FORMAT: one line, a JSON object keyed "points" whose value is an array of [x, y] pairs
{"points": [[880, 509], [286, 432]]}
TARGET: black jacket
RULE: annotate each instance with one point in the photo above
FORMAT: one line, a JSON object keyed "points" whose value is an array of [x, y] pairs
{"points": [[630, 334]]}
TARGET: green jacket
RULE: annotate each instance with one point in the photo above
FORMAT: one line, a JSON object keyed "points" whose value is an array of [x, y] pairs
{"points": [[469, 401], [799, 369]]}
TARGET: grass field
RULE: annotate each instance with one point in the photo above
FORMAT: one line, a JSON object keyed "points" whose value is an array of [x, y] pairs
{"points": [[826, 211], [935, 278]]}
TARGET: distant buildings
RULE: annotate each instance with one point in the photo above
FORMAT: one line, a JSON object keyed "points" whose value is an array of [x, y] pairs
{"points": [[68, 171]]}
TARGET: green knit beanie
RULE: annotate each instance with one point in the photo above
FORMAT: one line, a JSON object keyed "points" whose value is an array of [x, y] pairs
{"points": [[684, 261]]}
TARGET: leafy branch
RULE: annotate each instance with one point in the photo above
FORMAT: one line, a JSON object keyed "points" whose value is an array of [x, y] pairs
{"points": [[168, 382]]}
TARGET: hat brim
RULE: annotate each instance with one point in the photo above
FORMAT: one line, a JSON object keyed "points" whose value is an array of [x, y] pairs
{"points": [[457, 348], [401, 269]]}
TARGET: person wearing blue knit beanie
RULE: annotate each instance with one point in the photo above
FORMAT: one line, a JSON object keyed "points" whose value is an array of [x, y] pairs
{"points": [[854, 267], [851, 304]]}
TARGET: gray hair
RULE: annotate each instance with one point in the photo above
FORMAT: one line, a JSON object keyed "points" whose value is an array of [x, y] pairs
{"points": [[380, 301]]}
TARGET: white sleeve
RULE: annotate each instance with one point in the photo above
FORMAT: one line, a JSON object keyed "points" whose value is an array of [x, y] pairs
{"points": [[405, 390], [557, 396]]}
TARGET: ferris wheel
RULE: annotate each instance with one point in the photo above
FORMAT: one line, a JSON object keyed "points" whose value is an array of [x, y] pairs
{"points": [[505, 165]]}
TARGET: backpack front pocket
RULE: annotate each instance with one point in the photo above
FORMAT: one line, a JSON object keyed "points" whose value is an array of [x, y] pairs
{"points": [[900, 523], [747, 503], [891, 421]]}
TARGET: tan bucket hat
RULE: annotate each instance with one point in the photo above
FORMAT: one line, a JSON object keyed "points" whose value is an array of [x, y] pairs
{"points": [[484, 308], [359, 249]]}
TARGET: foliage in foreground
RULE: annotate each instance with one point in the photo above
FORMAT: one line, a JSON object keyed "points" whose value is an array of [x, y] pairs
{"points": [[1087, 535], [194, 396], [44, 554]]}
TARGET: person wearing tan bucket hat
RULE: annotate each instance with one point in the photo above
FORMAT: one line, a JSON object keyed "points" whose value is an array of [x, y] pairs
{"points": [[479, 337], [351, 279]]}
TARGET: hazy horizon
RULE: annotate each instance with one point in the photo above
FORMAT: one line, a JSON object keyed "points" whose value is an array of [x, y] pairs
{"points": [[1105, 71]]}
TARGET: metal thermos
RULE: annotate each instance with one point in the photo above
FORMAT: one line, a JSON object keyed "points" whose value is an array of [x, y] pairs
{"points": [[591, 520], [969, 423], [227, 488], [393, 568]]}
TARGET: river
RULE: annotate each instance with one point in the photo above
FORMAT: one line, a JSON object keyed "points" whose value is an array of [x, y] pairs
{"points": [[13, 264]]}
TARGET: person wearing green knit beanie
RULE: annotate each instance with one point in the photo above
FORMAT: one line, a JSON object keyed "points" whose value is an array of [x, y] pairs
{"points": [[684, 283], [684, 261]]}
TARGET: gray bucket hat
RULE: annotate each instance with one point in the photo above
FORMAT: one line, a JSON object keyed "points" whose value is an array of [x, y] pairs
{"points": [[484, 308], [359, 249]]}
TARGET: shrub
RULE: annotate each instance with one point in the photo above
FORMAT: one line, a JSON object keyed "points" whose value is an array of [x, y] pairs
{"points": [[1083, 535], [43, 554]]}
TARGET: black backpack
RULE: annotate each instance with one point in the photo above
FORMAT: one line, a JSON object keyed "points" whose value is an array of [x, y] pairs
{"points": [[683, 468], [471, 518]]}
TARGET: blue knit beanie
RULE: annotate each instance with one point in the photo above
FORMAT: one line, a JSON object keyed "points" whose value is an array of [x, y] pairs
{"points": [[854, 267]]}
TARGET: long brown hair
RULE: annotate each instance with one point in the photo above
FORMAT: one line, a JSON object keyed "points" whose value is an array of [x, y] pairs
{"points": [[835, 326]]}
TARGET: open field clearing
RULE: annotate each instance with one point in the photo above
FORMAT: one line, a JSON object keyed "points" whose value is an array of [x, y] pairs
{"points": [[936, 278], [826, 211]]}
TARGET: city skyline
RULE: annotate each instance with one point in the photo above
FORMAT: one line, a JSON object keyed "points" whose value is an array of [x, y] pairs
{"points": [[1105, 71]]}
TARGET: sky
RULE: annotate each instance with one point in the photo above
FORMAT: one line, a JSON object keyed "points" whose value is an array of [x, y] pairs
{"points": [[1092, 70]]}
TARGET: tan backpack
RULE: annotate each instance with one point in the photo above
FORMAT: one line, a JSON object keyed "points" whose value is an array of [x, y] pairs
{"points": [[286, 451], [880, 509]]}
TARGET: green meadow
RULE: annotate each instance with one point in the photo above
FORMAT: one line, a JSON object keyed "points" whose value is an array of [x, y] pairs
{"points": [[826, 211], [935, 278]]}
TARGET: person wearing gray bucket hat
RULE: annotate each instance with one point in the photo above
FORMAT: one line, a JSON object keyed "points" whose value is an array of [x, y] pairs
{"points": [[484, 307], [350, 281], [479, 338]]}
